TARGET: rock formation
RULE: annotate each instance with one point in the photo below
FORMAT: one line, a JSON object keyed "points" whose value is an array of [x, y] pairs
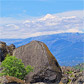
{"points": [[10, 48], [4, 50], [10, 80], [71, 75], [46, 67]]}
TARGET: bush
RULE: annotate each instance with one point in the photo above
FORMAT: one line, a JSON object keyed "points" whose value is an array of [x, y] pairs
{"points": [[69, 72], [13, 66]]}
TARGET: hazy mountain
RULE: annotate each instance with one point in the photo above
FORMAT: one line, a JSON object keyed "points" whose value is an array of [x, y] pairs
{"points": [[66, 47]]}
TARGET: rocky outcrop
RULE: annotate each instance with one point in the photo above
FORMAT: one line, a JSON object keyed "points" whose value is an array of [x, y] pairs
{"points": [[72, 76], [46, 67], [4, 50], [10, 80], [10, 48], [43, 83]]}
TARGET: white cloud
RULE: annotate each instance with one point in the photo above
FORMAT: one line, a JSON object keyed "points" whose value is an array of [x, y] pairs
{"points": [[9, 20], [77, 13], [74, 30], [48, 24], [12, 26], [27, 21], [48, 16]]}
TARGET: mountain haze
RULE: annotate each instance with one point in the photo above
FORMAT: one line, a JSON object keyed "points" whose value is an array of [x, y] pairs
{"points": [[66, 47]]}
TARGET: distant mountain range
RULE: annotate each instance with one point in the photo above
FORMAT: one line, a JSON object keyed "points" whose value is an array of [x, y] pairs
{"points": [[66, 47]]}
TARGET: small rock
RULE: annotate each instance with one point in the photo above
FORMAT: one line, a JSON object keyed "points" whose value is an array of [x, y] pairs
{"points": [[10, 80]]}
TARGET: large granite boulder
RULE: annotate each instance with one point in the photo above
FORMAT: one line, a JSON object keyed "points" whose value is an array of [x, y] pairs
{"points": [[4, 50], [46, 67]]}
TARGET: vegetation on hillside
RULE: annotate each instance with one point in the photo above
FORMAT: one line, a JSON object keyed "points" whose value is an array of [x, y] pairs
{"points": [[79, 66]]}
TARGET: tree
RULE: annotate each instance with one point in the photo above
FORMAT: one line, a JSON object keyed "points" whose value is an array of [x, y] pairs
{"points": [[13, 66]]}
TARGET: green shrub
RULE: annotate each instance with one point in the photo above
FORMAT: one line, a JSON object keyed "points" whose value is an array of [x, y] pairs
{"points": [[13, 66], [69, 72], [69, 81]]}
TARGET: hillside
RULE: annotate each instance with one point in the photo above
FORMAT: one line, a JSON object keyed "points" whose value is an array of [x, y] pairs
{"points": [[66, 47], [79, 66]]}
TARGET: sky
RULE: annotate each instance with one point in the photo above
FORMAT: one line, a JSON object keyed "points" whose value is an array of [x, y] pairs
{"points": [[41, 17], [19, 8]]}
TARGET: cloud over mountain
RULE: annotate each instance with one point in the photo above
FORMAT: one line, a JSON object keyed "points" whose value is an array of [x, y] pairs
{"points": [[48, 24]]}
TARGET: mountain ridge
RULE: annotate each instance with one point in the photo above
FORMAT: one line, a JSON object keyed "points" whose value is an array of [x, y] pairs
{"points": [[66, 47]]}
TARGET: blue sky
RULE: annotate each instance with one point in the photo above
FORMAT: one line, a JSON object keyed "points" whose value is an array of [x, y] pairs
{"points": [[20, 8]]}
